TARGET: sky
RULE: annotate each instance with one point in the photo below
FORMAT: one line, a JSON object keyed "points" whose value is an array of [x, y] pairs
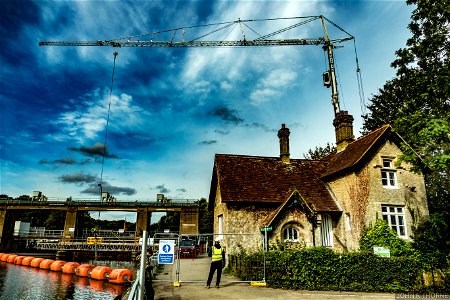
{"points": [[166, 112]]}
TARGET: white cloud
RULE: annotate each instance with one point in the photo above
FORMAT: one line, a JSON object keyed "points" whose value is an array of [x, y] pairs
{"points": [[89, 118]]}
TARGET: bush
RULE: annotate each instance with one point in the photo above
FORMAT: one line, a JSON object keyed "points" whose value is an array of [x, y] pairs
{"points": [[320, 268], [381, 235]]}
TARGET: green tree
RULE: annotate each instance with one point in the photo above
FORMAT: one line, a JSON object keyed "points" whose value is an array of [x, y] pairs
{"points": [[206, 217], [320, 152], [430, 240]]}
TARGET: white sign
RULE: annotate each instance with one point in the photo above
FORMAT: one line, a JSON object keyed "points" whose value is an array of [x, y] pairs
{"points": [[381, 251], [71, 229], [121, 230], [166, 252]]}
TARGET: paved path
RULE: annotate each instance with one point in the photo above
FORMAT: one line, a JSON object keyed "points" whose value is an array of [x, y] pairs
{"points": [[193, 275]]}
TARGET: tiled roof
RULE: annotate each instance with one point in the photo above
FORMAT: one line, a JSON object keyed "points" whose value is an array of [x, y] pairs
{"points": [[266, 179], [354, 153]]}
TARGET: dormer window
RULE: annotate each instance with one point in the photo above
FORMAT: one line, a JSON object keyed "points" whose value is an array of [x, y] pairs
{"points": [[388, 173]]}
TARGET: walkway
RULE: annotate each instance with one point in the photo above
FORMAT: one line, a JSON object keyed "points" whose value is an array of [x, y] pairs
{"points": [[193, 275]]}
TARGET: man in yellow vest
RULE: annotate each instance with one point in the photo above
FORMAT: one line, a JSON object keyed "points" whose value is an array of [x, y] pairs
{"points": [[217, 254]]}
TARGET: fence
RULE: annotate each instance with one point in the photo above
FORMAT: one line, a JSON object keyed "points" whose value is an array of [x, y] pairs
{"points": [[192, 262]]}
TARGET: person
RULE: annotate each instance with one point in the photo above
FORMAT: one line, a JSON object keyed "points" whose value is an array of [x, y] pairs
{"points": [[217, 254]]}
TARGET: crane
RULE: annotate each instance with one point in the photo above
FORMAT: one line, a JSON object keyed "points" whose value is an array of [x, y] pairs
{"points": [[329, 77]]}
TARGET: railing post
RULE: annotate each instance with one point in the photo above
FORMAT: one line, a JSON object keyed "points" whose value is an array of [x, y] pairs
{"points": [[142, 266]]}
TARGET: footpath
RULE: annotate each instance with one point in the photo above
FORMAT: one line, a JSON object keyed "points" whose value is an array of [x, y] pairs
{"points": [[194, 273]]}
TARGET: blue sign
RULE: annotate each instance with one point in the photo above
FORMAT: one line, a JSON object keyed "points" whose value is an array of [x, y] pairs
{"points": [[166, 252]]}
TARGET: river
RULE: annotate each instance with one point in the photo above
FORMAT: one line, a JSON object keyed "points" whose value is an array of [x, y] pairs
{"points": [[19, 282]]}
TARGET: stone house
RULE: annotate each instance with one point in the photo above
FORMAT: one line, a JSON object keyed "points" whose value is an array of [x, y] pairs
{"points": [[326, 202]]}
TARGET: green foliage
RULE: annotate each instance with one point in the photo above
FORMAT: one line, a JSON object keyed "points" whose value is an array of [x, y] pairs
{"points": [[206, 217], [322, 269], [381, 235], [320, 152], [430, 241]]}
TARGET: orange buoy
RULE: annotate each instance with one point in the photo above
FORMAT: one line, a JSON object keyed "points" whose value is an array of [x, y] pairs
{"points": [[84, 270], [5, 257], [45, 264], [36, 262], [120, 276], [18, 259], [70, 267], [101, 273], [26, 261], [11, 258], [57, 265]]}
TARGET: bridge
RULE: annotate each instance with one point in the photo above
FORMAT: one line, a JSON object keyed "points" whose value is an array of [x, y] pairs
{"points": [[71, 237]]}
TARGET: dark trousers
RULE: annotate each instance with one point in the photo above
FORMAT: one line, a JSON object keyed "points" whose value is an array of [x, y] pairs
{"points": [[215, 265]]}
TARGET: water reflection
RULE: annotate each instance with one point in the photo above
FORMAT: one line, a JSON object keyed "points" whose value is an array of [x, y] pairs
{"points": [[22, 282]]}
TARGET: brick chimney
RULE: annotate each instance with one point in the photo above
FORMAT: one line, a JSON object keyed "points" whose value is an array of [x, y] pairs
{"points": [[283, 135], [343, 125]]}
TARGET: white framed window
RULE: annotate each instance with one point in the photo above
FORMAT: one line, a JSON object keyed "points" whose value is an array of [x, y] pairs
{"points": [[395, 217], [388, 173], [290, 234], [326, 231]]}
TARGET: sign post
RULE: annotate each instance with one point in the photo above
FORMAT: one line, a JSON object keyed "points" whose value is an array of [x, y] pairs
{"points": [[265, 229]]}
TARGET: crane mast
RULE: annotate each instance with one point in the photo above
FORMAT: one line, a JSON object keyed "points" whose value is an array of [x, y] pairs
{"points": [[329, 77]]}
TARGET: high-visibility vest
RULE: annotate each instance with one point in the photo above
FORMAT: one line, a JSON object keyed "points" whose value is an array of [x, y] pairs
{"points": [[216, 254]]}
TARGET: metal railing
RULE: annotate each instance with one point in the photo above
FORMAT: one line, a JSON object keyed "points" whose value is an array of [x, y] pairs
{"points": [[84, 245]]}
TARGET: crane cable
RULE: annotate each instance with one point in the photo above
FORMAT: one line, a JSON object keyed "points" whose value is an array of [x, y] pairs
{"points": [[362, 97], [107, 123]]}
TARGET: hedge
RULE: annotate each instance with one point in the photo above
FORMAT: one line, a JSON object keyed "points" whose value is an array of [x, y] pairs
{"points": [[322, 269]]}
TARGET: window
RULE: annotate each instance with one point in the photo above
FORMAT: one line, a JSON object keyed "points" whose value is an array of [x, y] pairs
{"points": [[388, 174], [220, 223], [290, 234], [395, 217], [326, 231]]}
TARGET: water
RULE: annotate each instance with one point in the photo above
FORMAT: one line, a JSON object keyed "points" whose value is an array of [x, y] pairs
{"points": [[26, 283]]}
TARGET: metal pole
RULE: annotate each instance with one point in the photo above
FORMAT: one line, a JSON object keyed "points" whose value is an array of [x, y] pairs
{"points": [[141, 290]]}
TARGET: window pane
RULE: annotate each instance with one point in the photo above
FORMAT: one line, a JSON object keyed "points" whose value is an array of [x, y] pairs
{"points": [[383, 175], [402, 230], [392, 178], [386, 163], [394, 228], [399, 210], [393, 221], [384, 209], [385, 217], [392, 209], [295, 234], [400, 220]]}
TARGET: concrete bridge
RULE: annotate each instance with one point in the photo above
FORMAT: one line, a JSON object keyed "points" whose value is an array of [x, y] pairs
{"points": [[10, 208]]}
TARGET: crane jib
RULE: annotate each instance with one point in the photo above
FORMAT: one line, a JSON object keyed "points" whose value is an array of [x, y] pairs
{"points": [[156, 44]]}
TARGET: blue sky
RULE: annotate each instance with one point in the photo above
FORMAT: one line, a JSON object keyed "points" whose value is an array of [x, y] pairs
{"points": [[172, 109]]}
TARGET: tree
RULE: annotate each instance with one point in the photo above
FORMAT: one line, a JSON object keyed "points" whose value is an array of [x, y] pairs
{"points": [[320, 152], [417, 101], [430, 240], [206, 217]]}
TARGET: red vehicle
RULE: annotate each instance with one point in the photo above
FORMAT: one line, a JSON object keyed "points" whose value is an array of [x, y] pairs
{"points": [[188, 249]]}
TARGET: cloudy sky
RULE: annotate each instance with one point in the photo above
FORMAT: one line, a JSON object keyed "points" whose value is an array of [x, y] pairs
{"points": [[171, 109]]}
